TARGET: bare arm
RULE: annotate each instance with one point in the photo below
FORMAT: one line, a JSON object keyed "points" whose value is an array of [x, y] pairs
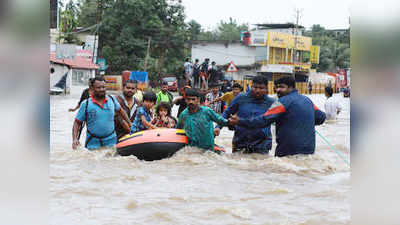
{"points": [[74, 109], [75, 133], [146, 123], [177, 99], [171, 123]]}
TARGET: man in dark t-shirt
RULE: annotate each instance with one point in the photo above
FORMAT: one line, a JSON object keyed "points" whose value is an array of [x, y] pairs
{"points": [[180, 100], [85, 95]]}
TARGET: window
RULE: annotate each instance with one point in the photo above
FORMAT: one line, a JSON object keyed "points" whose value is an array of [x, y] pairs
{"points": [[80, 77]]}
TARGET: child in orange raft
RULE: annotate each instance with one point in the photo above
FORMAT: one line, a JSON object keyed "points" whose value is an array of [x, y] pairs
{"points": [[163, 117]]}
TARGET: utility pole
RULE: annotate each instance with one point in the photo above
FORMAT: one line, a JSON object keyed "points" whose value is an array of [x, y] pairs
{"points": [[147, 53], [294, 50], [99, 15]]}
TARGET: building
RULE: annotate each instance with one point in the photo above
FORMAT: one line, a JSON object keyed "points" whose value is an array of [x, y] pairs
{"points": [[273, 50], [224, 52], [78, 70], [281, 50]]}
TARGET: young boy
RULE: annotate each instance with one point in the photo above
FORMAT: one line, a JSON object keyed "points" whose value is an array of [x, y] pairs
{"points": [[144, 114], [197, 121], [332, 106], [164, 95]]}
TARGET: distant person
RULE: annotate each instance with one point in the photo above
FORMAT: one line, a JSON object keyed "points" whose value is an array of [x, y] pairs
{"points": [[98, 112], [164, 95], [203, 93], [212, 73], [129, 104], [144, 114], [196, 74], [188, 70], [246, 106], [204, 74], [332, 106], [220, 75], [163, 118], [330, 83], [180, 100], [85, 95], [248, 89], [226, 86], [229, 96], [138, 95], [211, 97], [346, 92], [309, 87], [197, 121], [295, 116]]}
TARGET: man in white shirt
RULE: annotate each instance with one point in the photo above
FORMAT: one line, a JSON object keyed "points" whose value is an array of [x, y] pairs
{"points": [[332, 106], [188, 70]]}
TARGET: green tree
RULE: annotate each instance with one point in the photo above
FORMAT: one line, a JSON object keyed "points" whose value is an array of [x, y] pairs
{"points": [[230, 30], [194, 30], [69, 23], [126, 28], [334, 48]]}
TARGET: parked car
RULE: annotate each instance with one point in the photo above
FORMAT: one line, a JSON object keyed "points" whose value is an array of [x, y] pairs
{"points": [[172, 83]]}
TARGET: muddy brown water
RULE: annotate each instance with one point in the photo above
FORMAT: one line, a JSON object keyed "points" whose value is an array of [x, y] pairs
{"points": [[98, 187]]}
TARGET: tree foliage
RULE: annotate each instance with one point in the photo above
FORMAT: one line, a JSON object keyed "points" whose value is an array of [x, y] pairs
{"points": [[69, 22], [334, 48], [128, 25], [229, 31]]}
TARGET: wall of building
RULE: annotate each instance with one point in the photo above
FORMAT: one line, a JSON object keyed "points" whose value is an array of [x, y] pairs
{"points": [[80, 77], [59, 71], [222, 54]]}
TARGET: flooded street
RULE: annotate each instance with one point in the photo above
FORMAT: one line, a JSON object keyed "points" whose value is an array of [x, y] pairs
{"points": [[100, 188]]}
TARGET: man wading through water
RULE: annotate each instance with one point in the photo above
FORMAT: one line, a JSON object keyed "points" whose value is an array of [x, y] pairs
{"points": [[98, 111], [129, 104], [295, 115]]}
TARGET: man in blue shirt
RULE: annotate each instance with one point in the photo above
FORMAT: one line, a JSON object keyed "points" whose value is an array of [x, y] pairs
{"points": [[98, 112], [248, 105], [295, 116]]}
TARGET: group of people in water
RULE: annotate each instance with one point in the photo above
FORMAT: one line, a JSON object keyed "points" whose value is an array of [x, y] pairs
{"points": [[250, 114]]}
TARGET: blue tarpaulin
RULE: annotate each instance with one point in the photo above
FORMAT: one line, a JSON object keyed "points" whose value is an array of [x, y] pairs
{"points": [[140, 76]]}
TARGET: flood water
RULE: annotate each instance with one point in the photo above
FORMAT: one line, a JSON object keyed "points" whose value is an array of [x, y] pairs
{"points": [[191, 187]]}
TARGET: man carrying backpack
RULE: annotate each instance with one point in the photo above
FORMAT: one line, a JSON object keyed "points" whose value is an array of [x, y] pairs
{"points": [[98, 112], [204, 74], [196, 74]]}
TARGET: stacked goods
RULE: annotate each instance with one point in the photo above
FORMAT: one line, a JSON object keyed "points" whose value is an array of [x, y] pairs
{"points": [[270, 88], [113, 83]]}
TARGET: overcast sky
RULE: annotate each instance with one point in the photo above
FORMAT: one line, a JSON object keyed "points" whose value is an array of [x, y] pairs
{"points": [[330, 14]]}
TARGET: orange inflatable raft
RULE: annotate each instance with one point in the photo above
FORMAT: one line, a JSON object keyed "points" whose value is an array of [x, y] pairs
{"points": [[154, 144]]}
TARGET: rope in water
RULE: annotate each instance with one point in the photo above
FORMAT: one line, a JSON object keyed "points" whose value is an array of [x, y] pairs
{"points": [[334, 149]]}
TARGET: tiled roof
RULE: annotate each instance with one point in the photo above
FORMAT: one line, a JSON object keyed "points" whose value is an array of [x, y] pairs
{"points": [[81, 60]]}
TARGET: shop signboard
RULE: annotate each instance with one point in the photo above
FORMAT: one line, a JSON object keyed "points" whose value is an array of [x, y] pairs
{"points": [[278, 40], [314, 54]]}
